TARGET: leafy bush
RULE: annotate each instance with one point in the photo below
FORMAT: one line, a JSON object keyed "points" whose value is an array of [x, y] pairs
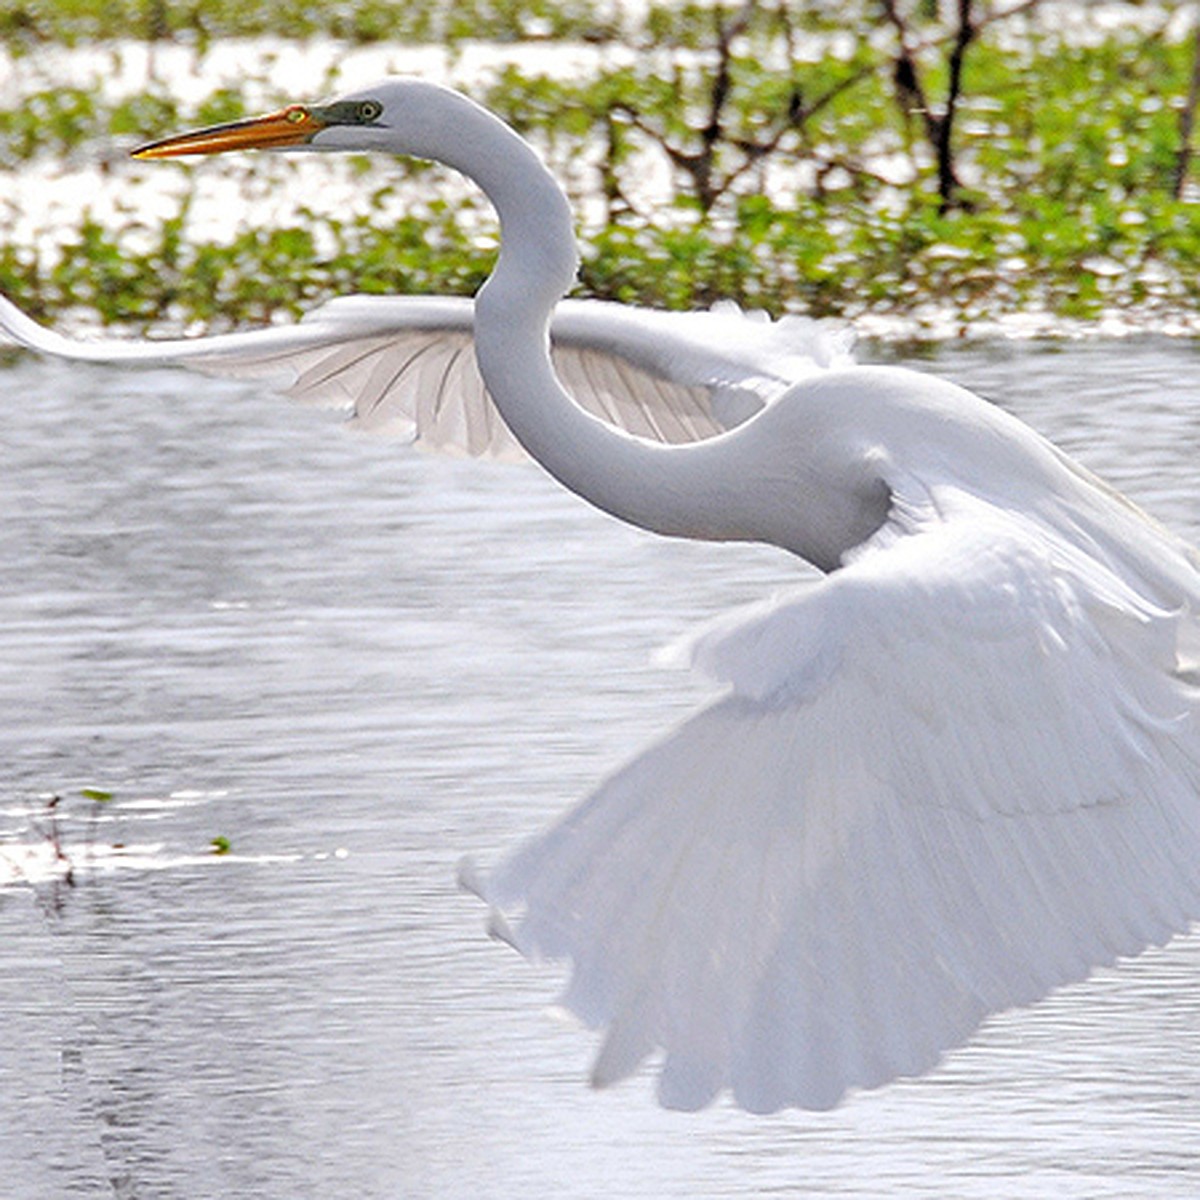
{"points": [[796, 180]]}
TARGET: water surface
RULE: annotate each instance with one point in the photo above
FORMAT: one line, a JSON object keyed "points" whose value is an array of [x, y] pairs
{"points": [[357, 664]]}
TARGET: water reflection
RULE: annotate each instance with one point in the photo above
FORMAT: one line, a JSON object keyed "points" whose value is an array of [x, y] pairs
{"points": [[358, 664]]}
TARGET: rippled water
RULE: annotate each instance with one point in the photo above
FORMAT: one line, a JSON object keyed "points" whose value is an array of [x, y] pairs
{"points": [[357, 664]]}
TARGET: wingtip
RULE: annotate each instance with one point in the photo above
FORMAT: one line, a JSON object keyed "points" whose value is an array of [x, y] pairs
{"points": [[469, 878]]}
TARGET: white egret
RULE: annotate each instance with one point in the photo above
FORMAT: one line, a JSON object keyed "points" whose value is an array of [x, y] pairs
{"points": [[957, 768]]}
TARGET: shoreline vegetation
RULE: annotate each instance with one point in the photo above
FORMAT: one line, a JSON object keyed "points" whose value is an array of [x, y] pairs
{"points": [[922, 169]]}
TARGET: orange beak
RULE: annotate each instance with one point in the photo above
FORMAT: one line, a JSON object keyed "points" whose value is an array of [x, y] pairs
{"points": [[291, 126]]}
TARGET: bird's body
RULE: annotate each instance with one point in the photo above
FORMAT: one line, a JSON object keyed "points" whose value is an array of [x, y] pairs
{"points": [[957, 769]]}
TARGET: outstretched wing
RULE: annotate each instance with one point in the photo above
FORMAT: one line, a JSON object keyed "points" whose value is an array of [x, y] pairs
{"points": [[407, 364], [947, 778]]}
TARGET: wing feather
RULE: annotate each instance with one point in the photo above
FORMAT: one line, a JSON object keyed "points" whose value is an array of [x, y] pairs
{"points": [[407, 365], [957, 773]]}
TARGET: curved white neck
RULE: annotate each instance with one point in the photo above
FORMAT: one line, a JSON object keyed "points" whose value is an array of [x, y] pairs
{"points": [[671, 490]]}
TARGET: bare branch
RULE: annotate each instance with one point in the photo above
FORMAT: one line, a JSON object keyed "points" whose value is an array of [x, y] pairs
{"points": [[700, 156], [1003, 15], [906, 75], [947, 177], [939, 123], [1187, 123]]}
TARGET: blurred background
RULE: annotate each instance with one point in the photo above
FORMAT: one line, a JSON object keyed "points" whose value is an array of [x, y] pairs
{"points": [[924, 168]]}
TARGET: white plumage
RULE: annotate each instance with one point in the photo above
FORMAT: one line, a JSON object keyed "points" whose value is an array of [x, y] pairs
{"points": [[946, 779], [405, 365], [957, 770]]}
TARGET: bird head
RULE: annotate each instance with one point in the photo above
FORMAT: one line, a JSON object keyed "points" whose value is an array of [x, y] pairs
{"points": [[407, 116]]}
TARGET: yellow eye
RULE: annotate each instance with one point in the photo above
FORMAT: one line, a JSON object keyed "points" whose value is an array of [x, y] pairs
{"points": [[369, 110], [296, 113]]}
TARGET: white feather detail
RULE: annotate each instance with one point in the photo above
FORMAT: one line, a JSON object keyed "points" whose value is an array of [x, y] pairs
{"points": [[945, 779], [405, 365]]}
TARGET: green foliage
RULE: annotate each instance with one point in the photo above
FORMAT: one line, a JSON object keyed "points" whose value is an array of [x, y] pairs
{"points": [[803, 185], [24, 23], [55, 120]]}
